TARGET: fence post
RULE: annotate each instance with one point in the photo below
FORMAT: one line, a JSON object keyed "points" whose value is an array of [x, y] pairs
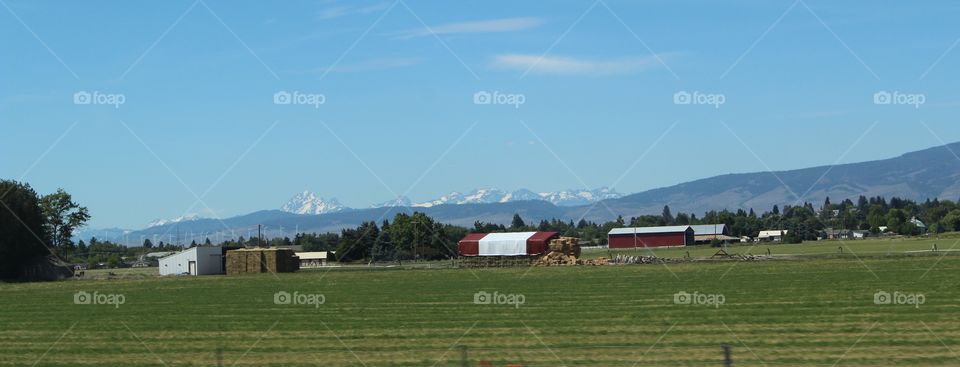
{"points": [[727, 355], [464, 360]]}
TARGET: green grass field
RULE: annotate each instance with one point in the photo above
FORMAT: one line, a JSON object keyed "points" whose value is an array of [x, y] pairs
{"points": [[807, 312]]}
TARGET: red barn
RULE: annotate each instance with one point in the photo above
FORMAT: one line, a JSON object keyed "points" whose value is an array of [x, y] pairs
{"points": [[505, 244], [651, 237]]}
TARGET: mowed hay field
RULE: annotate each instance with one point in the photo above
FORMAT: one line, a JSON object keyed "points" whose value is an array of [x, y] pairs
{"points": [[779, 313]]}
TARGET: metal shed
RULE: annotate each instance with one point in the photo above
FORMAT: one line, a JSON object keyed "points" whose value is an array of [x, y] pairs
{"points": [[201, 260]]}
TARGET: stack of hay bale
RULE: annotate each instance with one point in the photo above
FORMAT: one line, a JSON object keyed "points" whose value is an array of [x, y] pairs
{"points": [[561, 251], [262, 260]]}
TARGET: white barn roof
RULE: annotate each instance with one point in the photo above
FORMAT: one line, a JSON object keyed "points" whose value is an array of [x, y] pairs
{"points": [[774, 233], [709, 229], [505, 244], [645, 230], [319, 255]]}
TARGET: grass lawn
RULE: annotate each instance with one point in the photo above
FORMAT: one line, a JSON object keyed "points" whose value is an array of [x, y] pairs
{"points": [[807, 312]]}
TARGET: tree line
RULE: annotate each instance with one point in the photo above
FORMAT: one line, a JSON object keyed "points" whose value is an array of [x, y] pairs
{"points": [[35, 228], [418, 236]]}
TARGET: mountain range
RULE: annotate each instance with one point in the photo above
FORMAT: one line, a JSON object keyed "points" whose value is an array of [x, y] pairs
{"points": [[929, 173], [309, 203]]}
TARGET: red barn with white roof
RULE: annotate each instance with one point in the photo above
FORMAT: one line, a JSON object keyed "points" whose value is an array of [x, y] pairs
{"points": [[505, 244], [651, 237]]}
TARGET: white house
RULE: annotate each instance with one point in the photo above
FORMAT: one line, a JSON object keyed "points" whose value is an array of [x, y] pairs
{"points": [[919, 224], [313, 259], [201, 260], [771, 236]]}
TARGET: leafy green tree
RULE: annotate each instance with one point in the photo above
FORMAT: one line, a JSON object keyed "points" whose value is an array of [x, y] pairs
{"points": [[22, 230], [62, 217]]}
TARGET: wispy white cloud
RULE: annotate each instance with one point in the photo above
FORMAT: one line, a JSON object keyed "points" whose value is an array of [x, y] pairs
{"points": [[366, 65], [373, 65], [480, 26], [344, 10], [567, 65]]}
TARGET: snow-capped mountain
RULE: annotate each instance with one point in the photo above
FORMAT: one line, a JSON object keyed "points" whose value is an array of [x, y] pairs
{"points": [[185, 218], [580, 197], [398, 202], [490, 195], [309, 203]]}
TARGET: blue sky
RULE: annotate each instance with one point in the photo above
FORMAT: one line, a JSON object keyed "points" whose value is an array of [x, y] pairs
{"points": [[597, 78]]}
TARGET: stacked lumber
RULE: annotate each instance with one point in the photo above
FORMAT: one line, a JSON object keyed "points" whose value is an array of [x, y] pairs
{"points": [[561, 251]]}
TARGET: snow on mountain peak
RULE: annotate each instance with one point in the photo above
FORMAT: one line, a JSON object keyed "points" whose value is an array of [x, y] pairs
{"points": [[161, 222], [492, 195], [307, 202], [398, 202]]}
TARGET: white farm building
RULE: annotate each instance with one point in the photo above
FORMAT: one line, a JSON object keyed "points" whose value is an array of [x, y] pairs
{"points": [[202, 260]]}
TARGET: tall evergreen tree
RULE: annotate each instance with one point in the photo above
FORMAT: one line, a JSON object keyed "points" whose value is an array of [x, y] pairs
{"points": [[517, 222]]}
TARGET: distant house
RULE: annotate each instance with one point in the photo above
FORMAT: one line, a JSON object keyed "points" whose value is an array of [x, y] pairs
{"points": [[836, 234], [883, 229], [861, 234], [314, 259], [919, 224], [771, 235]]}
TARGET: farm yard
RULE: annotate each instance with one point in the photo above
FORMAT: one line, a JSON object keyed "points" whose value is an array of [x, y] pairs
{"points": [[800, 312]]}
